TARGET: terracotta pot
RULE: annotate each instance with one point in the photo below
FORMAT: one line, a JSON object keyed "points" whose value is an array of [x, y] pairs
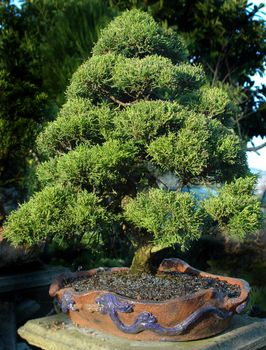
{"points": [[199, 315]]}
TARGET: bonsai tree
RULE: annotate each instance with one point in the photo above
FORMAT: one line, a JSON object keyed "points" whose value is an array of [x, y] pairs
{"points": [[137, 111]]}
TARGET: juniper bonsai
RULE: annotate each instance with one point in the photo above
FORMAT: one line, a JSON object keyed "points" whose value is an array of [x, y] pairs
{"points": [[137, 110]]}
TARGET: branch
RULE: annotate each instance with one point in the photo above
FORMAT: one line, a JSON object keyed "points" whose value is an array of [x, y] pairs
{"points": [[229, 73], [115, 100], [255, 148], [228, 69], [216, 70], [120, 103], [238, 127], [210, 68], [159, 180]]}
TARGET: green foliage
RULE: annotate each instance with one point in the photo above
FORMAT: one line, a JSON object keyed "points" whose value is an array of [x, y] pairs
{"points": [[228, 38], [59, 212], [201, 149], [151, 75], [136, 34], [110, 78], [228, 153], [129, 119], [215, 102], [96, 168], [168, 217], [77, 122], [143, 121], [236, 209], [92, 78], [184, 153]]}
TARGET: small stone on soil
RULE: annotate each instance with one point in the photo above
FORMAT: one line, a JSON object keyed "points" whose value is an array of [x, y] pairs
{"points": [[160, 287]]}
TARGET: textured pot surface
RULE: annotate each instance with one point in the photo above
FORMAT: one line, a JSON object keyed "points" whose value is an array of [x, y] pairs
{"points": [[196, 316]]}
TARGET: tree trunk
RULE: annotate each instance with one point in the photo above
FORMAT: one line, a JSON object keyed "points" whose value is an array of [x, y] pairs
{"points": [[142, 258]]}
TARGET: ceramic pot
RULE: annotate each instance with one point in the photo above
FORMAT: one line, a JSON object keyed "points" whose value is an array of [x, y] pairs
{"points": [[196, 316]]}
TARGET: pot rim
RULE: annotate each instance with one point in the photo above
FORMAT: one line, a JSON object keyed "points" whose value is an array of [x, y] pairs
{"points": [[177, 265]]}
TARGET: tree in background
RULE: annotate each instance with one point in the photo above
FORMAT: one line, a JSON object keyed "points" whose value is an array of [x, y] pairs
{"points": [[135, 110], [22, 99], [228, 38], [41, 44], [68, 29]]}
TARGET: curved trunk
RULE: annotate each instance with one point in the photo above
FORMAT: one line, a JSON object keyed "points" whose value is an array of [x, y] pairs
{"points": [[142, 259]]}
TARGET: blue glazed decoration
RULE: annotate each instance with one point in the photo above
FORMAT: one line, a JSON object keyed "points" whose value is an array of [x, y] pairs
{"points": [[67, 302], [110, 304], [240, 308]]}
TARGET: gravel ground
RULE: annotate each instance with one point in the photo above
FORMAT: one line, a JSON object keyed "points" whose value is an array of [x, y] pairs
{"points": [[163, 286]]}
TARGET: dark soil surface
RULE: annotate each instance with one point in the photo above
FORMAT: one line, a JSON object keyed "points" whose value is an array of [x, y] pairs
{"points": [[158, 287]]}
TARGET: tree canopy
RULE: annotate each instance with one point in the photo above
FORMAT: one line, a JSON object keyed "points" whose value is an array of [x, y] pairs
{"points": [[135, 109], [228, 39]]}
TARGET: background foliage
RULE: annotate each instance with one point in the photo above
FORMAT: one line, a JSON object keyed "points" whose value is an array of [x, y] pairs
{"points": [[41, 44], [23, 99]]}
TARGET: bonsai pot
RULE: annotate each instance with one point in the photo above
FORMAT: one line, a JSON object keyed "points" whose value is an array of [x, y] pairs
{"points": [[202, 314]]}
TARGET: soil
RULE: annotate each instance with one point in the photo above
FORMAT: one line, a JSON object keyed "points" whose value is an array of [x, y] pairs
{"points": [[160, 287]]}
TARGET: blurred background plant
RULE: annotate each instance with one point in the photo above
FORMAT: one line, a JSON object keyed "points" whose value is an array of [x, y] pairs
{"points": [[41, 43], [257, 302], [23, 100]]}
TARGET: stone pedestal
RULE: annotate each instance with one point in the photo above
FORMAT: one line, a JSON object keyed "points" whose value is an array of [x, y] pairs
{"points": [[58, 333]]}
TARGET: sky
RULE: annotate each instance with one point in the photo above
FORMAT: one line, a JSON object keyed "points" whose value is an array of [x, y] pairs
{"points": [[255, 160], [258, 161]]}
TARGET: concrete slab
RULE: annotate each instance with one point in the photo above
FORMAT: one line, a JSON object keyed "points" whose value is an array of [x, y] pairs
{"points": [[58, 333]]}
